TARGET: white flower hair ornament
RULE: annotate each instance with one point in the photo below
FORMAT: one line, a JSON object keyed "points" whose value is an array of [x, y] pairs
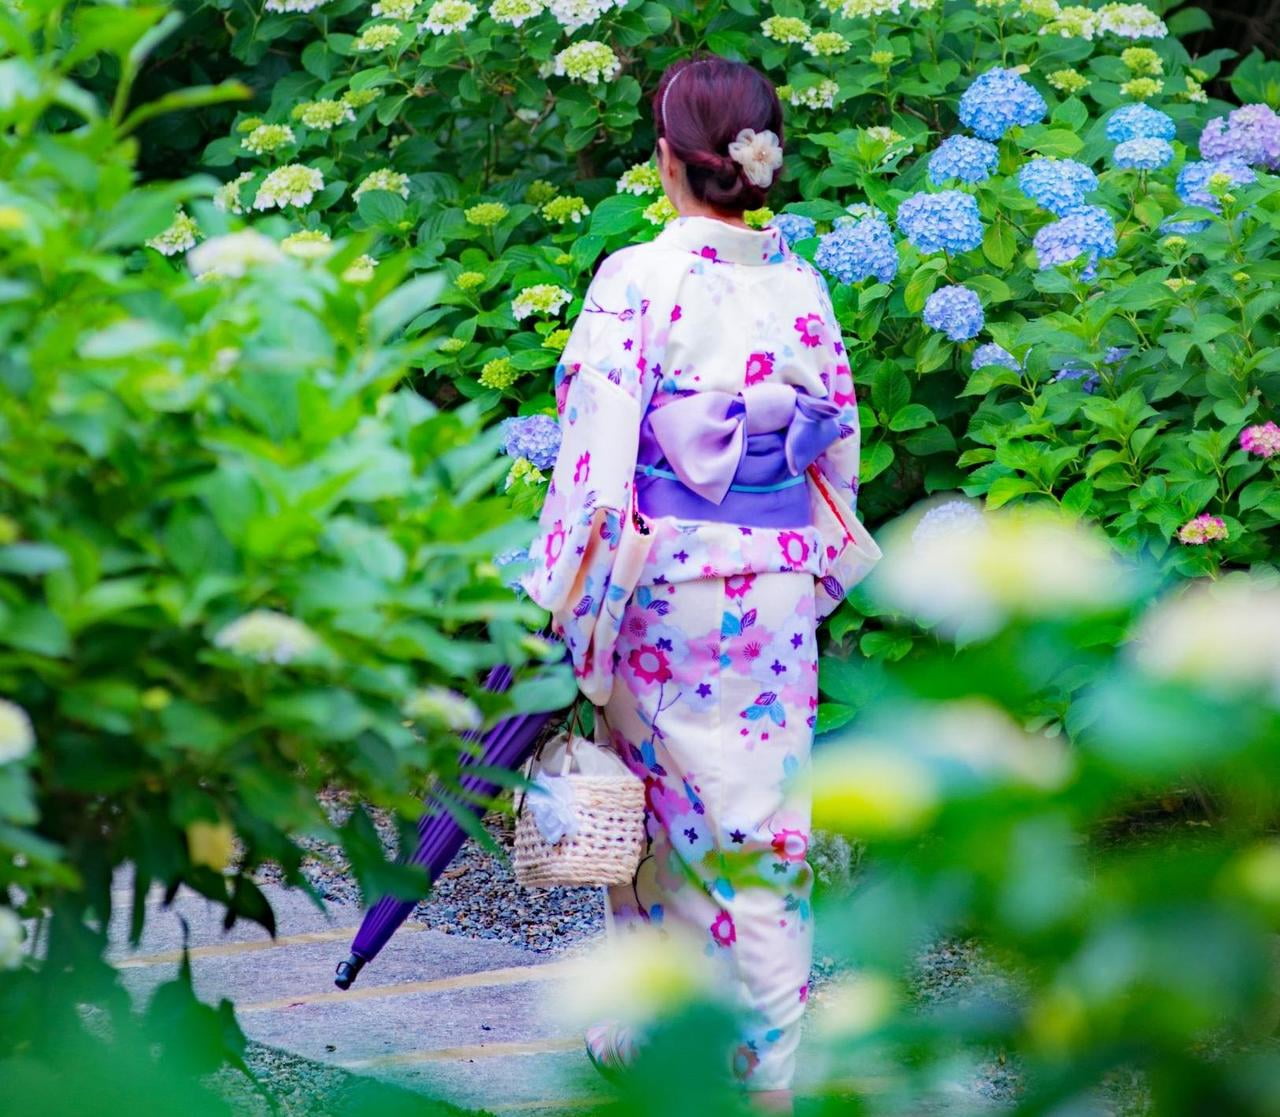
{"points": [[759, 153]]}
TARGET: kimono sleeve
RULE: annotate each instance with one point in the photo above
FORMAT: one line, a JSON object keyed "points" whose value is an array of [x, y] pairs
{"points": [[587, 554], [848, 550]]}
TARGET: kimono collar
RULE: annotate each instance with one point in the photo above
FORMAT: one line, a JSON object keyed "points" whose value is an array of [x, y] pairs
{"points": [[720, 242]]}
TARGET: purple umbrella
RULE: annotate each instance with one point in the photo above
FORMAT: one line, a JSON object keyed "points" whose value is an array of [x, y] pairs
{"points": [[507, 744]]}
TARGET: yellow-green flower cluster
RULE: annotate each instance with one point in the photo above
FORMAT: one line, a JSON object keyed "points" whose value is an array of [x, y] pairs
{"points": [[288, 6], [566, 208], [394, 9], [1194, 91], [324, 116], [486, 214], [868, 9], [786, 29], [884, 134], [268, 637], [266, 138], [381, 36], [758, 218], [469, 280], [660, 212], [563, 260], [539, 192], [1039, 9], [227, 196], [178, 237], [308, 244], [556, 339], [358, 98], [1074, 22], [447, 16], [588, 61], [516, 13], [360, 270], [881, 58], [1067, 81], [824, 44], [385, 179], [642, 178], [1141, 88], [1177, 283], [822, 95], [524, 470], [1142, 60], [294, 184], [17, 739], [546, 299], [452, 345], [438, 705], [499, 373]]}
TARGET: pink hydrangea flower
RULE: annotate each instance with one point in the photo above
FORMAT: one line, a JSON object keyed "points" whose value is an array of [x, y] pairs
{"points": [[1263, 439], [1203, 529]]}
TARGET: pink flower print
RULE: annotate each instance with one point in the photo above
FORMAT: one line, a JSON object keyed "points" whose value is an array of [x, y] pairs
{"points": [[745, 1060], [738, 585], [791, 845], [804, 992], [722, 929], [795, 551], [582, 470], [810, 330], [708, 253], [676, 312], [636, 624], [759, 365], [555, 543], [650, 664]]}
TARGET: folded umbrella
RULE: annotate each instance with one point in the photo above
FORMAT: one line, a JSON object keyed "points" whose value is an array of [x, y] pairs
{"points": [[508, 744]]}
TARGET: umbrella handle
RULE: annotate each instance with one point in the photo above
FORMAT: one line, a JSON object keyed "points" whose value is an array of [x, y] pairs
{"points": [[348, 971]]}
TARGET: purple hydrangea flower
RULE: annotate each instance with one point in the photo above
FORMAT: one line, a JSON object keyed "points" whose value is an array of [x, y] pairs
{"points": [[993, 354], [956, 311], [1193, 180], [536, 437], [1139, 122], [1143, 154], [1089, 380], [964, 158], [1087, 230], [859, 247], [997, 100], [1250, 134], [1057, 184], [947, 221], [793, 226]]}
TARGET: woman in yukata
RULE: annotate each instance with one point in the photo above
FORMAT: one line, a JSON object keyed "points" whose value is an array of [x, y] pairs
{"points": [[699, 524]]}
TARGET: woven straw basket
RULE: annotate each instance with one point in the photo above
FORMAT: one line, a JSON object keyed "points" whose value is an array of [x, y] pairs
{"points": [[609, 811]]}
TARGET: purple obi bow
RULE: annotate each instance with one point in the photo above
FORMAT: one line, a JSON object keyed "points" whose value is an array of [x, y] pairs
{"points": [[703, 435]]}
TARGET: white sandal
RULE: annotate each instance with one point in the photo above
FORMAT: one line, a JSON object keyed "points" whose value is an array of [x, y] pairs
{"points": [[611, 1047]]}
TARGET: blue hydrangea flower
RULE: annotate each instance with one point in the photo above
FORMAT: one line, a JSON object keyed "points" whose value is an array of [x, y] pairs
{"points": [[964, 158], [993, 354], [947, 221], [793, 226], [997, 100], [1057, 184], [536, 437], [956, 311], [859, 247], [509, 558], [1250, 134], [1139, 122], [1089, 380], [1116, 353], [1087, 230], [1183, 228], [1143, 154], [1193, 180]]}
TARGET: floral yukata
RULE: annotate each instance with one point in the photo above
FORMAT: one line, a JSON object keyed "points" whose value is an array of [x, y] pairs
{"points": [[700, 522]]}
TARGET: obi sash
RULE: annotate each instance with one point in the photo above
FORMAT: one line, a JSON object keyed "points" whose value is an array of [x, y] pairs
{"points": [[734, 457]]}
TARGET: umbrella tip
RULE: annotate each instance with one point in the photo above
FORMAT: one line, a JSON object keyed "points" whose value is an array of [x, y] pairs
{"points": [[348, 971]]}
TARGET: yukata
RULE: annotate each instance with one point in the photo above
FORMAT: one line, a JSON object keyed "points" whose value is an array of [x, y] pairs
{"points": [[699, 523]]}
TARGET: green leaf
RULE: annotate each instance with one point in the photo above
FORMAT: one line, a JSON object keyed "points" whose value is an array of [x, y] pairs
{"points": [[910, 417], [195, 97], [405, 303], [1000, 244]]}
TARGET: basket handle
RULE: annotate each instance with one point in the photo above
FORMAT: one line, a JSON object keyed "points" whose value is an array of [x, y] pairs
{"points": [[575, 715]]}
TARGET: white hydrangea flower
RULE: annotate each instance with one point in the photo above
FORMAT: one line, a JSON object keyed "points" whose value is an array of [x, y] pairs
{"points": [[867, 9], [642, 178], [516, 13], [1131, 21], [884, 134], [178, 237], [17, 737], [233, 254], [588, 61], [785, 29], [573, 14], [819, 96], [439, 705], [825, 44], [324, 116], [541, 298], [393, 9], [227, 196], [385, 179], [360, 270], [292, 5], [381, 36], [268, 637], [446, 16], [308, 244], [294, 184], [1074, 22], [11, 937], [266, 138]]}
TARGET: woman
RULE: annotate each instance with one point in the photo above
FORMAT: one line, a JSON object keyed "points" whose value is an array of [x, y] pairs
{"points": [[699, 524]]}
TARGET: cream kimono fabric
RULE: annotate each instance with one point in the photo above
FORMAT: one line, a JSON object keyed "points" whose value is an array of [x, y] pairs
{"points": [[703, 306]]}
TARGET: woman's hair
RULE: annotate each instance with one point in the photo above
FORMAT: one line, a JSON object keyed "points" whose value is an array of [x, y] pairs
{"points": [[701, 114]]}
